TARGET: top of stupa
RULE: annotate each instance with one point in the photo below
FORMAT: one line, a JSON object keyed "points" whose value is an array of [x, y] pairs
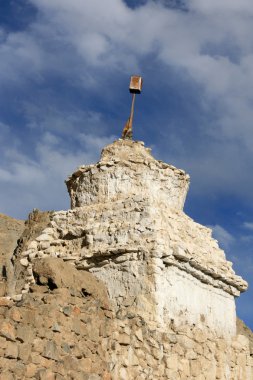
{"points": [[127, 169], [129, 150]]}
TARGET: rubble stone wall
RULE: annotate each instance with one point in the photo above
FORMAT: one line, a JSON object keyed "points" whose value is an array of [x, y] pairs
{"points": [[10, 231], [60, 330], [66, 328]]}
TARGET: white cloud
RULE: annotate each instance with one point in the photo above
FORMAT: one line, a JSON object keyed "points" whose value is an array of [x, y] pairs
{"points": [[118, 37], [248, 225], [217, 6], [215, 51], [22, 59], [26, 183], [223, 236], [47, 116]]}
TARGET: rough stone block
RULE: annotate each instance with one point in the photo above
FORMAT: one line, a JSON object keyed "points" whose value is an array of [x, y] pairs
{"points": [[11, 350], [7, 330], [24, 333], [50, 350], [24, 351]]}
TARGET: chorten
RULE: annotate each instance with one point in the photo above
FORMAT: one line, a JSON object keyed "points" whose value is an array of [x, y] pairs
{"points": [[127, 226]]}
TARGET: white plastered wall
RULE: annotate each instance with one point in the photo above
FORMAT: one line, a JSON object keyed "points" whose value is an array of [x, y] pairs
{"points": [[187, 300], [170, 293]]}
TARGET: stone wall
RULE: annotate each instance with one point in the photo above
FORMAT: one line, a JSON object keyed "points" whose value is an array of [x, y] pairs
{"points": [[66, 328], [36, 222], [60, 330], [10, 231]]}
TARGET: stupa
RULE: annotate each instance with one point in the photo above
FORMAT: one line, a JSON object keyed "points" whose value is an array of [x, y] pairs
{"points": [[171, 291], [127, 226]]}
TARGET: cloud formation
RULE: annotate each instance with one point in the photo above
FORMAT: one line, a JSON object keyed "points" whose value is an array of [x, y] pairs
{"points": [[248, 225], [39, 181], [84, 47]]}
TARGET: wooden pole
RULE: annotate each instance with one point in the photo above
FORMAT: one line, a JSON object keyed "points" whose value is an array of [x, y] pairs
{"points": [[132, 112]]}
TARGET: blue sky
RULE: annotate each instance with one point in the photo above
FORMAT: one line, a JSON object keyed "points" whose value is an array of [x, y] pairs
{"points": [[64, 75]]}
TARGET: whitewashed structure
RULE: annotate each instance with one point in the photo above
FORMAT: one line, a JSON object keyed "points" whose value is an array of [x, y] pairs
{"points": [[127, 226]]}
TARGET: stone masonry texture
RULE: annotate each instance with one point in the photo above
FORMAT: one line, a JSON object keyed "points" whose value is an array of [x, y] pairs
{"points": [[122, 286], [10, 231]]}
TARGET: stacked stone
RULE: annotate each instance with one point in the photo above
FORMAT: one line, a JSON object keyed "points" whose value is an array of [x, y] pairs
{"points": [[10, 231], [60, 330], [66, 329], [144, 351]]}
